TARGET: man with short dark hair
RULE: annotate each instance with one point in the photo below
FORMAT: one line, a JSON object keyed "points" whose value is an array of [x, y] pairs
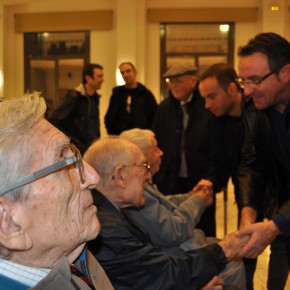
{"points": [[78, 115], [264, 70], [224, 98]]}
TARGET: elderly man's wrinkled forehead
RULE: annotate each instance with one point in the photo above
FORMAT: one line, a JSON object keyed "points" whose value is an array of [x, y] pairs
{"points": [[134, 151], [181, 78]]}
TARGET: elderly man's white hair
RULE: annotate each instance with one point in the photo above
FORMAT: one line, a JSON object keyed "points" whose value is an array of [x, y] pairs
{"points": [[17, 116], [141, 137], [105, 154]]}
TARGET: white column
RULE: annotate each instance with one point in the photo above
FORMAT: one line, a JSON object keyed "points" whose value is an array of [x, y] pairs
{"points": [[1, 51], [130, 33]]}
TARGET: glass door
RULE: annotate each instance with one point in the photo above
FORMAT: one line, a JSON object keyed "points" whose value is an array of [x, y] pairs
{"points": [[54, 62], [200, 44]]}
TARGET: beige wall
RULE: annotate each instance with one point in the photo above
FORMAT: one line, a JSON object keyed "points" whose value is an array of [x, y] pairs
{"points": [[132, 37]]}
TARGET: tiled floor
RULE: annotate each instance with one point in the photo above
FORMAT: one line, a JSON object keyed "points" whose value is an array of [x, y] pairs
{"points": [[260, 280]]}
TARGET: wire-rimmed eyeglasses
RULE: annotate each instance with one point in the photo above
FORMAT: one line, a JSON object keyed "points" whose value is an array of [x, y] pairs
{"points": [[255, 81], [76, 158], [146, 165]]}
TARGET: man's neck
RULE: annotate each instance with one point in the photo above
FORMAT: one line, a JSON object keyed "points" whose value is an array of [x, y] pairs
{"points": [[282, 105], [187, 99], [132, 85], [236, 109], [89, 90]]}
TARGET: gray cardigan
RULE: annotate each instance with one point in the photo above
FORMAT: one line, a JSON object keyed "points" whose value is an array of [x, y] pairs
{"points": [[170, 221]]}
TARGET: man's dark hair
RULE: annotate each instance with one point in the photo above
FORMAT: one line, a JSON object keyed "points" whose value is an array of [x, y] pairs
{"points": [[88, 70], [224, 74], [274, 46]]}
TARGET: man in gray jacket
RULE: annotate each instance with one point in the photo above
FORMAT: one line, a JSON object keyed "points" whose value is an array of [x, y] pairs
{"points": [[175, 216]]}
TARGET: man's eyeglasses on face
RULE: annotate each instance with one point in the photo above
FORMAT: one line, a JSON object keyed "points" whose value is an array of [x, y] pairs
{"points": [[74, 159], [254, 82], [145, 165]]}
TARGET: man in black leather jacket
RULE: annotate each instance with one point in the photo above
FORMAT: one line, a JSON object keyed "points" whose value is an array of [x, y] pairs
{"points": [[264, 69], [78, 115]]}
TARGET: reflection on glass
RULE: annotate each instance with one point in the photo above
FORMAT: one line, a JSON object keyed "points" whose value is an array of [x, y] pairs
{"points": [[196, 38], [206, 61], [42, 76], [55, 44], [200, 44], [54, 62], [69, 75]]}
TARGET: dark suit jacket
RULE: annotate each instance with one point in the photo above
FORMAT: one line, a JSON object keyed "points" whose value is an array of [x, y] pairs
{"points": [[167, 126]]}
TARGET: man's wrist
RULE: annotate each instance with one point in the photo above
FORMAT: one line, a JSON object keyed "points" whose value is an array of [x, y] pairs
{"points": [[248, 216]]}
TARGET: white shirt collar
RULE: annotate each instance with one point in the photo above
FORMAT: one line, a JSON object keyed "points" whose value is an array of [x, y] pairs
{"points": [[188, 100], [23, 274]]}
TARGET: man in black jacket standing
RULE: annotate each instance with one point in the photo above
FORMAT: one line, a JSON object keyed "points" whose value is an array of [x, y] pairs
{"points": [[78, 115], [264, 68], [131, 105], [224, 98], [183, 128]]}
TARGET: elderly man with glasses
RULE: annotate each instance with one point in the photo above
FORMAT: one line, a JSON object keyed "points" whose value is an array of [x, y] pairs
{"points": [[264, 69], [126, 251], [46, 207]]}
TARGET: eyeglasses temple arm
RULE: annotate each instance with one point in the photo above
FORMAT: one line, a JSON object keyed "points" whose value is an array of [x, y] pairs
{"points": [[38, 174]]}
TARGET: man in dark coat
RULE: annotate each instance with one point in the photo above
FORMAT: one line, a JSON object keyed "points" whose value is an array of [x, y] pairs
{"points": [[183, 129], [224, 98], [78, 115], [131, 105], [264, 68]]}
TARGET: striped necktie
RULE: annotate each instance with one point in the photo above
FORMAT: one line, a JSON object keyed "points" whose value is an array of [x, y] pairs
{"points": [[77, 273]]}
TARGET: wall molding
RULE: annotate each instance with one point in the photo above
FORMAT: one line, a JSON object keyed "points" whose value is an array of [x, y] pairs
{"points": [[203, 15], [64, 21]]}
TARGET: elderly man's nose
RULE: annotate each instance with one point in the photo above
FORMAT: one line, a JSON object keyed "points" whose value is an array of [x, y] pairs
{"points": [[92, 177]]}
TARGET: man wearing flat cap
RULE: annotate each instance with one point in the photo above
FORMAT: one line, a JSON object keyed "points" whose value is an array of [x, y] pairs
{"points": [[183, 129]]}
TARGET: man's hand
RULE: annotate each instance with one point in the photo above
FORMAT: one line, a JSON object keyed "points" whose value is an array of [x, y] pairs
{"points": [[203, 184], [261, 235], [232, 245], [216, 283], [204, 190], [206, 195]]}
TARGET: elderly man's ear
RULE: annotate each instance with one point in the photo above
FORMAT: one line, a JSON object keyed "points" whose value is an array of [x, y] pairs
{"points": [[119, 176], [12, 235]]}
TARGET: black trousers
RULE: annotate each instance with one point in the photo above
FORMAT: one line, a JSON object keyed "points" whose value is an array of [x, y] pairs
{"points": [[279, 263]]}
